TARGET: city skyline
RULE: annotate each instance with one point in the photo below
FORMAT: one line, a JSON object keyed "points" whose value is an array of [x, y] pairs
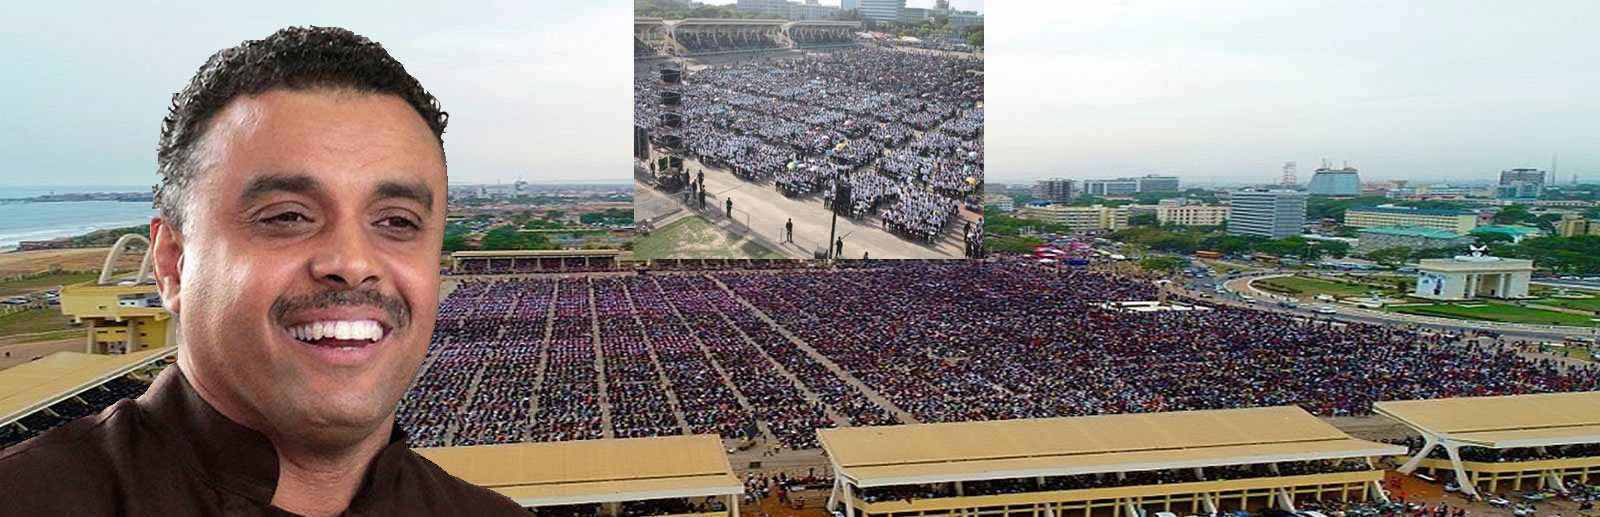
{"points": [[1217, 95]]}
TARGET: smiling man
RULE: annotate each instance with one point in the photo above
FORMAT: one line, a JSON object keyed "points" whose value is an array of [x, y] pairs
{"points": [[302, 207]]}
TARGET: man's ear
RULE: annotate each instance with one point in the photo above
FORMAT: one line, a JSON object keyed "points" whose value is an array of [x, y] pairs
{"points": [[166, 254]]}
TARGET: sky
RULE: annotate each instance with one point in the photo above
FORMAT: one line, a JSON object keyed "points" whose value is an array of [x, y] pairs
{"points": [[1229, 90], [536, 90], [960, 5], [1220, 91]]}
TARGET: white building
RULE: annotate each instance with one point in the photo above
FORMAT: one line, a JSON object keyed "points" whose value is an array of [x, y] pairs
{"points": [[881, 10], [1097, 217], [1273, 214], [1000, 202], [1191, 215], [1471, 276]]}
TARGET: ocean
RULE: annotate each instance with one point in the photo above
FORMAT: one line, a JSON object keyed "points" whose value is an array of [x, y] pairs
{"points": [[43, 221]]}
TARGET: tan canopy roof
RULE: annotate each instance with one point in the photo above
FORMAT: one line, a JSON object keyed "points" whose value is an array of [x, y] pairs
{"points": [[935, 453], [32, 386], [1504, 421], [594, 471]]}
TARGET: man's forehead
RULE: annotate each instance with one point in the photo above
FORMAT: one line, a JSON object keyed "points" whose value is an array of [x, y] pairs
{"points": [[340, 138]]}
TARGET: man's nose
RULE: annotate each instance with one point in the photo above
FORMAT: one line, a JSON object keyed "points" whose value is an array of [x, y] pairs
{"points": [[346, 259]]}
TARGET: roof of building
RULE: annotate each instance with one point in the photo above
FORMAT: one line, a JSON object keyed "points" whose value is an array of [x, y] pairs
{"points": [[727, 21], [1486, 264], [1506, 229], [965, 451], [534, 253], [35, 385], [1504, 421], [1412, 231], [594, 471], [1410, 211]]}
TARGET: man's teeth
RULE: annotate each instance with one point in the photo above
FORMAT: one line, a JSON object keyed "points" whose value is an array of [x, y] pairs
{"points": [[355, 330]]}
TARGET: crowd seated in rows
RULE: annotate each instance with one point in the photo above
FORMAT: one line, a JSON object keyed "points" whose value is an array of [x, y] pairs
{"points": [[903, 130], [1111, 480]]}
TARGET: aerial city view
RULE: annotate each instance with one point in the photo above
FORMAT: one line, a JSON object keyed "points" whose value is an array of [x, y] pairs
{"points": [[1221, 285]]}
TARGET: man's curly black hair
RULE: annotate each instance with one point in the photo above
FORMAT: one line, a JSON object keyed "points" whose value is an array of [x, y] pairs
{"points": [[294, 58]]}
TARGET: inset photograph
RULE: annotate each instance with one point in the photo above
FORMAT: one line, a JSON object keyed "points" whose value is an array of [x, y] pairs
{"points": [[797, 130]]}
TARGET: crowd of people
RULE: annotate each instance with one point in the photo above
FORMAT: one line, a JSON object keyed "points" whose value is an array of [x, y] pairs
{"points": [[1111, 480], [753, 354], [540, 360], [889, 124], [1488, 455]]}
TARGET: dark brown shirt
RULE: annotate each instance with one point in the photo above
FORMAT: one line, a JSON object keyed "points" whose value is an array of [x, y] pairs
{"points": [[171, 454]]}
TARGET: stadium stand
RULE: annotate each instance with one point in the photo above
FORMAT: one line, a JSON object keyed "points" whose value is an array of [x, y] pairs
{"points": [[773, 354], [676, 475], [1196, 462], [38, 396], [1545, 440], [501, 262]]}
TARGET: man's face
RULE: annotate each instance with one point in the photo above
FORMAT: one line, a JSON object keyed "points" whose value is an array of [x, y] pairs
{"points": [[309, 271]]}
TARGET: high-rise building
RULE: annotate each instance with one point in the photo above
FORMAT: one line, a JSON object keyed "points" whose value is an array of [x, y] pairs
{"points": [[1273, 214], [1154, 183], [1130, 186], [1116, 187], [881, 10], [1053, 189], [1459, 222], [850, 4], [1328, 181], [1520, 183]]}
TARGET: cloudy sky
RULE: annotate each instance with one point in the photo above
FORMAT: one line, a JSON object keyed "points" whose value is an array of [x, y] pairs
{"points": [[1228, 90], [1219, 90], [536, 90]]}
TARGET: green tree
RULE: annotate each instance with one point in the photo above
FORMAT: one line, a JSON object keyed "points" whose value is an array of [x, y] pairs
{"points": [[1145, 219], [1512, 215], [1491, 238], [509, 238], [975, 38], [1392, 256], [1335, 249], [455, 243]]}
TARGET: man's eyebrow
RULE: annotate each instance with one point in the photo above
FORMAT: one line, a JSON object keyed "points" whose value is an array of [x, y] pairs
{"points": [[415, 191], [260, 186]]}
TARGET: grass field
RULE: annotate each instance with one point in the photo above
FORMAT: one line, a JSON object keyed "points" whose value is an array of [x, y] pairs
{"points": [[1499, 312], [1310, 286], [1582, 304], [693, 237], [29, 285], [48, 320]]}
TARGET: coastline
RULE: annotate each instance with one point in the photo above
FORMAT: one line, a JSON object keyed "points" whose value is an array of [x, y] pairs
{"points": [[9, 241]]}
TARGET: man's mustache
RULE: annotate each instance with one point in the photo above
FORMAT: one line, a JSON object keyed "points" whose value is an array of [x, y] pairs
{"points": [[398, 311]]}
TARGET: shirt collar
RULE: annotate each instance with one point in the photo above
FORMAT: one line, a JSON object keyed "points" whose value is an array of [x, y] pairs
{"points": [[232, 456], [235, 457]]}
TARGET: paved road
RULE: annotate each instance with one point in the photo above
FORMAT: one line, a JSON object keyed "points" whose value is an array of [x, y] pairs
{"points": [[763, 209], [1345, 313]]}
